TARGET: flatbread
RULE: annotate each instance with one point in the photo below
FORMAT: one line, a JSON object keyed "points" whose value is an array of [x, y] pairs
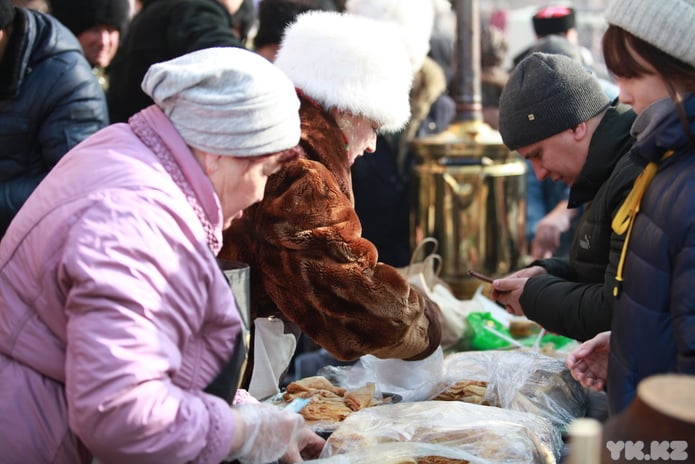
{"points": [[468, 391], [359, 398], [328, 402], [316, 382]]}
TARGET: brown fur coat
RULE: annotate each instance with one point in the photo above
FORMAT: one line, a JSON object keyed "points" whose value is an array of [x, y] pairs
{"points": [[311, 266]]}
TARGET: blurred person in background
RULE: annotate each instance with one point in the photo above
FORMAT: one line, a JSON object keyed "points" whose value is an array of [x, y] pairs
{"points": [[493, 76], [244, 20], [382, 183], [49, 101], [275, 15], [98, 25], [160, 31], [559, 21], [114, 315], [38, 5]]}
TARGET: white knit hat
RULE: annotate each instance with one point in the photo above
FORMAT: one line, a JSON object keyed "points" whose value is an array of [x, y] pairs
{"points": [[415, 17], [351, 63], [669, 25], [227, 101]]}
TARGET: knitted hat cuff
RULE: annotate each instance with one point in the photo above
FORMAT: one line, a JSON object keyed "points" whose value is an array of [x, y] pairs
{"points": [[667, 25]]}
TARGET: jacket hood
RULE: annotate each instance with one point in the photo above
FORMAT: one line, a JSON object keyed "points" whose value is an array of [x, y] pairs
{"points": [[664, 134]]}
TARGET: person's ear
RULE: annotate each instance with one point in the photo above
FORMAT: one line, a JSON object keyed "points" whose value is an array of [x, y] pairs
{"points": [[211, 163], [580, 131]]}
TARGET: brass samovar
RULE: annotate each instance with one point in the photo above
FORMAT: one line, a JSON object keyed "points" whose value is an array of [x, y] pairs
{"points": [[469, 188]]}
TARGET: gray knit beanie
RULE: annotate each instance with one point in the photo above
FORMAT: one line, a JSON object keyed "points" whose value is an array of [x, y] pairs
{"points": [[227, 101], [669, 25], [546, 94]]}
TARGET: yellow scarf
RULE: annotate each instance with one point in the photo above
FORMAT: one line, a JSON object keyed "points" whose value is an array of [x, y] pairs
{"points": [[625, 218]]}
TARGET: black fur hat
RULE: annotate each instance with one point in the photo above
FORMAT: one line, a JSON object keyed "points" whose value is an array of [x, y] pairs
{"points": [[275, 15], [80, 15], [554, 20], [6, 13]]}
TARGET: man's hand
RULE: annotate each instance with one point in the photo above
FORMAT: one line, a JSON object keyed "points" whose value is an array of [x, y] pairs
{"points": [[546, 239], [507, 292]]}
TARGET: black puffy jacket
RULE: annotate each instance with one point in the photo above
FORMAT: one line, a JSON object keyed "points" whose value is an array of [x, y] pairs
{"points": [[49, 102], [575, 297], [163, 30]]}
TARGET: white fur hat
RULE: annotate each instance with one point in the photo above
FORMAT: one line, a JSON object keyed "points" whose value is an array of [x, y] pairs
{"points": [[351, 63], [227, 101], [415, 17], [669, 25]]}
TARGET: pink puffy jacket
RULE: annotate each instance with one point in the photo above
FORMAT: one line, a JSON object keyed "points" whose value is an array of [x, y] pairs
{"points": [[113, 313]]}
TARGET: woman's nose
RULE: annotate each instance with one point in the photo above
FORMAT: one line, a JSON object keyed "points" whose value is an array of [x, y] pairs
{"points": [[371, 144]]}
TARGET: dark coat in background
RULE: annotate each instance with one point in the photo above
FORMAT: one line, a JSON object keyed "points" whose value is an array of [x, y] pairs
{"points": [[49, 102], [582, 285], [163, 30], [311, 266], [382, 181]]}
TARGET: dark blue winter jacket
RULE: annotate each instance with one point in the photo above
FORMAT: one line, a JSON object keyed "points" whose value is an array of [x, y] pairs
{"points": [[653, 329], [49, 102]]}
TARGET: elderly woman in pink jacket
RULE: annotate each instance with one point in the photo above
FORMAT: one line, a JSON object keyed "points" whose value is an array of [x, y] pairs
{"points": [[114, 316]]}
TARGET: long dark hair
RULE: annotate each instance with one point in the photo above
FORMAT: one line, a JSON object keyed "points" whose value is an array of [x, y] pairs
{"points": [[618, 48]]}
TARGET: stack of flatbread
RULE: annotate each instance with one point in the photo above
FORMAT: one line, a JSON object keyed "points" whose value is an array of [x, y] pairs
{"points": [[469, 391], [328, 402]]}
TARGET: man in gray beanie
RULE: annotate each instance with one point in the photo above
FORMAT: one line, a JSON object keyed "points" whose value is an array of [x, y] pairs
{"points": [[555, 114]]}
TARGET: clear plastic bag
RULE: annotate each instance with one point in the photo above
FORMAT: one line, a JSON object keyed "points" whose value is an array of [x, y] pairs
{"points": [[450, 429], [410, 380], [404, 453], [522, 380]]}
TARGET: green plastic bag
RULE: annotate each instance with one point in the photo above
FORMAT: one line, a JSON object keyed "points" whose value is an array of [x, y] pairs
{"points": [[487, 333]]}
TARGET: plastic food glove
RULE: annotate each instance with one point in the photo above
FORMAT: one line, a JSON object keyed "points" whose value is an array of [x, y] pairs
{"points": [[266, 433], [308, 446]]}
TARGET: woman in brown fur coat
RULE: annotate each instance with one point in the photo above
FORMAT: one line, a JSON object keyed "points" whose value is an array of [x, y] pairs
{"points": [[309, 264]]}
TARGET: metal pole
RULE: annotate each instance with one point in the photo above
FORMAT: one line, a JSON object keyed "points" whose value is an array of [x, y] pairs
{"points": [[467, 92]]}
